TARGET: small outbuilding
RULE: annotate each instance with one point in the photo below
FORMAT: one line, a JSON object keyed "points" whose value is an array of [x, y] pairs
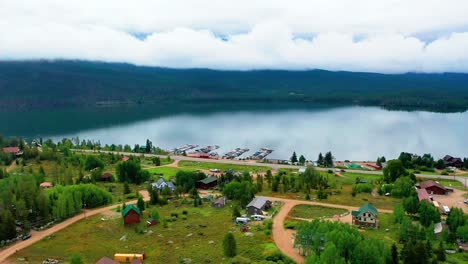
{"points": [[366, 216], [151, 222], [161, 184], [131, 214], [46, 185], [13, 150], [106, 260], [258, 205], [207, 183], [107, 176], [219, 203], [433, 187]]}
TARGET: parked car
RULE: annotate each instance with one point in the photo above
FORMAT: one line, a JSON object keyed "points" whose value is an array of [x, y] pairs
{"points": [[466, 201], [26, 236], [242, 220], [258, 217]]}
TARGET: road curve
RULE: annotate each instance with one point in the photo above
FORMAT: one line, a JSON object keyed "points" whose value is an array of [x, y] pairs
{"points": [[462, 179], [283, 237], [38, 235]]}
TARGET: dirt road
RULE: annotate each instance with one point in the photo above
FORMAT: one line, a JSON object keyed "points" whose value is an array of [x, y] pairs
{"points": [[283, 237], [38, 235]]}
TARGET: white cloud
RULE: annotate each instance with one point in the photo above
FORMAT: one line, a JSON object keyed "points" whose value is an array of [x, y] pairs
{"points": [[258, 34]]}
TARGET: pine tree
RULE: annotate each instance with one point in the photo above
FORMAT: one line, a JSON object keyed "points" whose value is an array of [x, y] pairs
{"points": [[76, 259], [126, 188], [294, 158], [394, 254], [141, 204], [229, 245], [302, 160], [320, 159], [7, 227], [441, 252]]}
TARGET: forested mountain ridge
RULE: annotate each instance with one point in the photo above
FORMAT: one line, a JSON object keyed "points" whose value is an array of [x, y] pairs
{"points": [[46, 84]]}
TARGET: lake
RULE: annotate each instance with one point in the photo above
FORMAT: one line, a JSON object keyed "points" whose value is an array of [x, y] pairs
{"points": [[355, 133]]}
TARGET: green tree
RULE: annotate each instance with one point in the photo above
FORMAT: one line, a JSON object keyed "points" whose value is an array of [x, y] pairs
{"points": [[141, 204], [403, 187], [92, 161], [126, 188], [328, 160], [411, 204], [428, 213], [440, 164], [394, 259], [7, 226], [157, 161], [398, 213], [235, 212], [76, 259], [259, 182], [149, 146], [302, 160], [293, 158], [441, 252], [154, 195], [320, 161], [229, 245], [455, 218], [393, 170], [155, 214]]}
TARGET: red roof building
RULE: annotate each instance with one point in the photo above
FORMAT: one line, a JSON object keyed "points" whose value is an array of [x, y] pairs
{"points": [[106, 260], [423, 195], [46, 185], [433, 187], [125, 158], [13, 150]]}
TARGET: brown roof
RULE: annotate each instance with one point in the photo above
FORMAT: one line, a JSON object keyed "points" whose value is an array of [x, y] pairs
{"points": [[106, 260], [423, 195], [136, 261], [46, 185], [428, 184], [11, 150], [106, 175]]}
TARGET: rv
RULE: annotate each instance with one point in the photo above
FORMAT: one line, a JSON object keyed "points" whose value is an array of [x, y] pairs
{"points": [[242, 220], [446, 209], [257, 217]]}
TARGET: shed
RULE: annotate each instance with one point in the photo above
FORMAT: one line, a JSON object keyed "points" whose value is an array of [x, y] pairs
{"points": [[208, 182], [125, 158], [258, 205], [131, 214], [433, 187], [219, 203], [107, 176], [46, 185], [151, 222], [106, 260]]}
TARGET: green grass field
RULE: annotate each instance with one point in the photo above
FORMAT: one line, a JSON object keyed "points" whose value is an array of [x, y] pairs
{"points": [[387, 231], [221, 166], [166, 172], [199, 238], [313, 212]]}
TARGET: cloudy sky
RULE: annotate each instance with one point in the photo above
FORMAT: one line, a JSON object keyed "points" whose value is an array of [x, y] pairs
{"points": [[389, 36]]}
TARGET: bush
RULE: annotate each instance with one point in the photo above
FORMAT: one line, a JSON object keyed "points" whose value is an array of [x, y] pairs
{"points": [[184, 217], [290, 224], [131, 196], [185, 212], [162, 201], [176, 215], [444, 172], [364, 188]]}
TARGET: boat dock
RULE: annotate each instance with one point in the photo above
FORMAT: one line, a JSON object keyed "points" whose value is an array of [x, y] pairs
{"points": [[207, 149], [235, 153], [261, 154], [183, 149]]}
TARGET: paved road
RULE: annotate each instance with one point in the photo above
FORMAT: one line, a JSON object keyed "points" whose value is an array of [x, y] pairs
{"points": [[283, 237], [38, 235], [462, 179]]}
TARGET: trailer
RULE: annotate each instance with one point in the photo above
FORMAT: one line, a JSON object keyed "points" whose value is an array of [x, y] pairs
{"points": [[127, 258]]}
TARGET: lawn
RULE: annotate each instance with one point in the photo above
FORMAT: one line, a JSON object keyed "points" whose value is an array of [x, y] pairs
{"points": [[313, 212], [221, 166], [387, 231], [198, 237], [166, 172]]}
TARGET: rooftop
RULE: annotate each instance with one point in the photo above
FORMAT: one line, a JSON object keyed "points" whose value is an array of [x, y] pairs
{"points": [[368, 207], [209, 180], [129, 208], [258, 202], [428, 184]]}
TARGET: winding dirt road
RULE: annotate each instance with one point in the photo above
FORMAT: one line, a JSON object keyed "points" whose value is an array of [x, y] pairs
{"points": [[283, 237], [38, 235]]}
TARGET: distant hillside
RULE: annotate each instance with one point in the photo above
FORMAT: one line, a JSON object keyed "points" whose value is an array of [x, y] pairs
{"points": [[42, 84]]}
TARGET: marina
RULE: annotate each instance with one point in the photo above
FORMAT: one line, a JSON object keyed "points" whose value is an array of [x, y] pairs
{"points": [[261, 154], [183, 149], [235, 153]]}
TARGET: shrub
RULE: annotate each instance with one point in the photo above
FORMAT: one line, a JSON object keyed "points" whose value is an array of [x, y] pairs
{"points": [[184, 217], [185, 212], [131, 196], [290, 224], [364, 188], [445, 172], [176, 215]]}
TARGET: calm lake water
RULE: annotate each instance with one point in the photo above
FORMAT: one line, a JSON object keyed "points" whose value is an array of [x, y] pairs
{"points": [[355, 133]]}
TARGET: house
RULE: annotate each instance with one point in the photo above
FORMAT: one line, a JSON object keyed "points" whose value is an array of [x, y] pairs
{"points": [[423, 195], [46, 185], [151, 222], [161, 184], [219, 203], [450, 161], [258, 205], [131, 214], [207, 183], [107, 176], [433, 187], [13, 150], [106, 260], [366, 216]]}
